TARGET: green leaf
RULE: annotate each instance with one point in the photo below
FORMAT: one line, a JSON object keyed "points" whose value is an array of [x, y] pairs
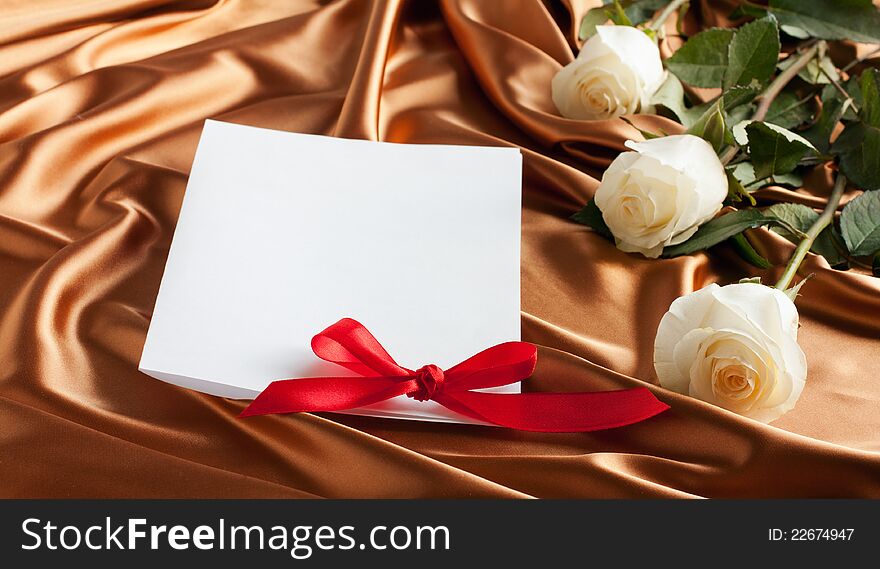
{"points": [[830, 245], [773, 149], [639, 11], [859, 149], [744, 249], [795, 215], [854, 90], [745, 173], [856, 20], [702, 60], [832, 111], [788, 111], [646, 134], [859, 143], [711, 126], [734, 101], [869, 84], [753, 53], [621, 12], [748, 10], [794, 32], [860, 224], [740, 95], [802, 218], [736, 191], [740, 114], [591, 216], [740, 133], [617, 15], [670, 95], [819, 70], [593, 18], [791, 179], [717, 230]]}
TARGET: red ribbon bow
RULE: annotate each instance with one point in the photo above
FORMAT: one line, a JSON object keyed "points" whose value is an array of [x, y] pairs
{"points": [[349, 344]]}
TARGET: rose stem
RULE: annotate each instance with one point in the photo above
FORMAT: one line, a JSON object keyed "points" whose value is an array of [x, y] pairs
{"points": [[783, 79], [728, 154], [773, 91], [858, 60], [658, 22], [812, 233]]}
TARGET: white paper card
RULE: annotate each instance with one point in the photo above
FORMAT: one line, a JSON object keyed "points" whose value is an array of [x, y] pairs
{"points": [[282, 234]]}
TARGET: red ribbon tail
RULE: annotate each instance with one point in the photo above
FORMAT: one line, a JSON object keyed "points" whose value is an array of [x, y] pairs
{"points": [[557, 412], [315, 394]]}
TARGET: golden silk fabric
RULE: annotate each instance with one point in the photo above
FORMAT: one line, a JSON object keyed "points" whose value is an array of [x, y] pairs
{"points": [[101, 105]]}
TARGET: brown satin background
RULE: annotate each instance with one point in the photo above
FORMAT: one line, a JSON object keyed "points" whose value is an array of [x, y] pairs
{"points": [[101, 105]]}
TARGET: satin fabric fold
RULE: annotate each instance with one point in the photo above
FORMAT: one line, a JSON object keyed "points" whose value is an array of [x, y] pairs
{"points": [[101, 105]]}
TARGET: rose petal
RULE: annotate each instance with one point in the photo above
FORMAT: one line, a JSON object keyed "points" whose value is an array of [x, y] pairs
{"points": [[684, 315], [636, 50]]}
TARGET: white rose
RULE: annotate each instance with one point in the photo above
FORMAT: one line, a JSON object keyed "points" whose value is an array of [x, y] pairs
{"points": [[733, 346], [615, 73], [661, 193]]}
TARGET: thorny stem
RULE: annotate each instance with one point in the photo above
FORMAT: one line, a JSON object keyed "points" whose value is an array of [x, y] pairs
{"points": [[774, 89], [840, 90], [858, 60], [783, 79], [657, 24], [825, 218], [728, 154]]}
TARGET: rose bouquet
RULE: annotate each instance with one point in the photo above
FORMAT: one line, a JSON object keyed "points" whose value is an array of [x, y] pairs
{"points": [[780, 92]]}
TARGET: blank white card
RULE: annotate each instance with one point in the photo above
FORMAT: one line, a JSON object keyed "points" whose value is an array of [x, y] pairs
{"points": [[283, 234]]}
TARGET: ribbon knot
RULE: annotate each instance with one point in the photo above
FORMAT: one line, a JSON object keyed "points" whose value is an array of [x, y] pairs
{"points": [[459, 388], [430, 379]]}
